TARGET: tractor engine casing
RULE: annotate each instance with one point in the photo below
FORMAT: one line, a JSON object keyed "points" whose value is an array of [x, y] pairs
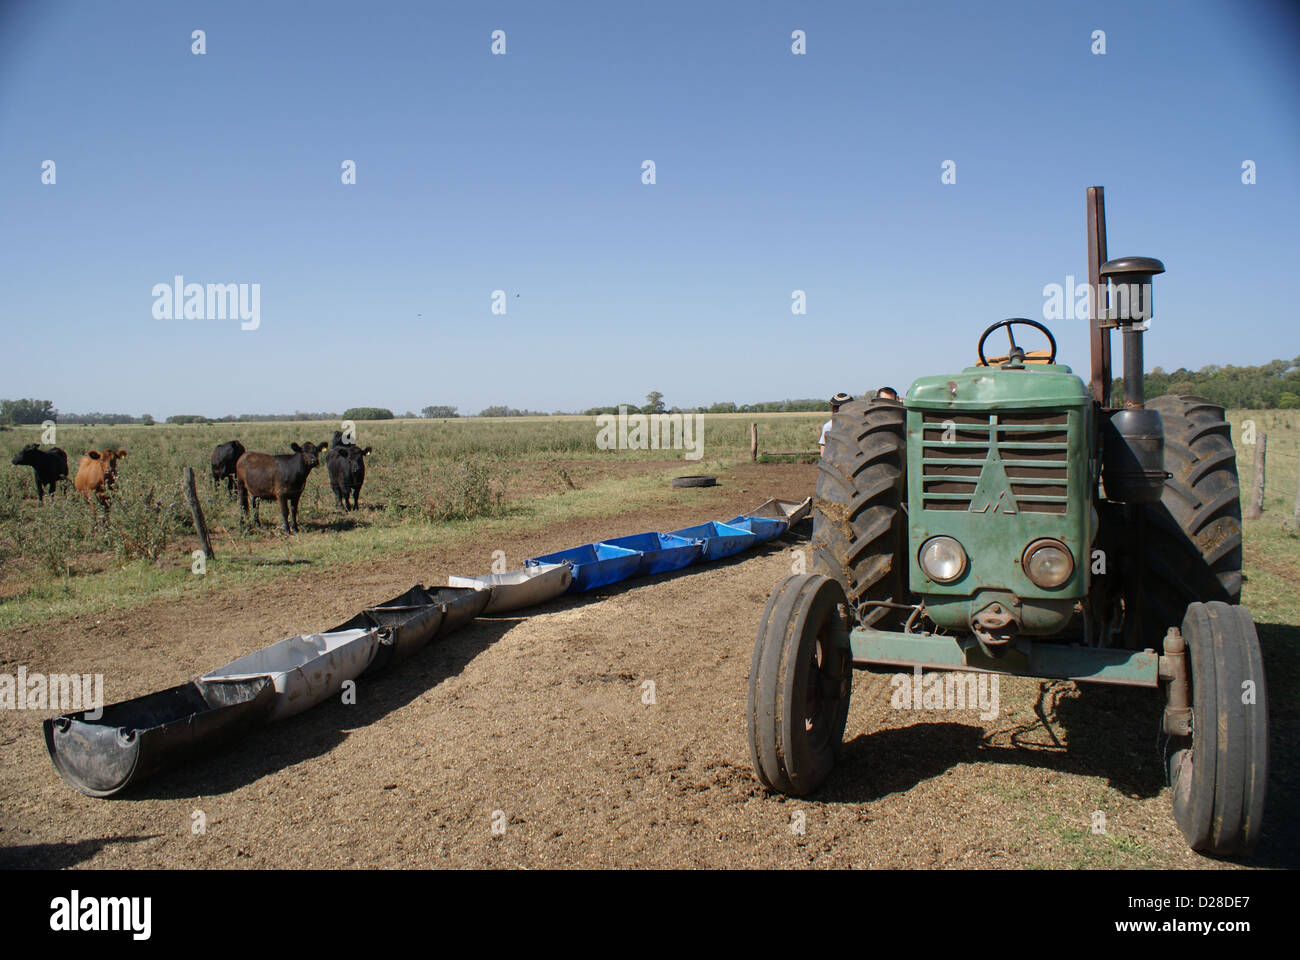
{"points": [[1001, 459]]}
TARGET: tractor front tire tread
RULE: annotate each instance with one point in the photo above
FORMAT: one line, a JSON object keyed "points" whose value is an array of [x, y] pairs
{"points": [[859, 526], [1193, 535], [1220, 773]]}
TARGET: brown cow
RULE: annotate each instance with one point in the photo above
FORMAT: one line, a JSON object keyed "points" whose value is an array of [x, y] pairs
{"points": [[96, 473], [281, 477]]}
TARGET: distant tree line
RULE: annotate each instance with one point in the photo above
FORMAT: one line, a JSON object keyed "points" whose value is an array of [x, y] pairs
{"points": [[1273, 385], [1270, 386], [503, 411], [769, 406], [13, 412], [26, 411], [183, 418], [94, 418]]}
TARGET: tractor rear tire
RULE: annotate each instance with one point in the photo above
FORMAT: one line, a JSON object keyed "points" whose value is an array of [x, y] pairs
{"points": [[859, 527], [1192, 537], [800, 682], [1219, 774]]}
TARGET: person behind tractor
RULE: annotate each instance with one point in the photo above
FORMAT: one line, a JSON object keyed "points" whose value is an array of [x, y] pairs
{"points": [[886, 393], [837, 401]]}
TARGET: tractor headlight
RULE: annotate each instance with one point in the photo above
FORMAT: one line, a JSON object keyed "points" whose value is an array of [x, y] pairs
{"points": [[942, 559], [1048, 563]]}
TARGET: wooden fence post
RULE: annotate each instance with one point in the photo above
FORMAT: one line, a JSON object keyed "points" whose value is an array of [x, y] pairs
{"points": [[753, 445], [1256, 508], [1297, 497], [192, 498]]}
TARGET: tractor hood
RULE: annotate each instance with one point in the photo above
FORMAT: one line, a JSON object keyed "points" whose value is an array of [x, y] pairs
{"points": [[999, 458], [983, 388]]}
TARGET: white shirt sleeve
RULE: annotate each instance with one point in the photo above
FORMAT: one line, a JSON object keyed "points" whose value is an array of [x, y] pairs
{"points": [[826, 427]]}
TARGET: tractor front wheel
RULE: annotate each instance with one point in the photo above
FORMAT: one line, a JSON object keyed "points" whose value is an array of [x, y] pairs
{"points": [[800, 680], [1219, 773]]}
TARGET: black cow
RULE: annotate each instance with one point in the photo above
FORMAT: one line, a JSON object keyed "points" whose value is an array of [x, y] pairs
{"points": [[50, 466], [281, 477], [224, 458], [346, 463]]}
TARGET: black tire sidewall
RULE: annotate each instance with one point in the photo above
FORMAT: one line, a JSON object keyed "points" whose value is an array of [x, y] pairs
{"points": [[1220, 805], [808, 766], [1193, 788], [783, 755]]}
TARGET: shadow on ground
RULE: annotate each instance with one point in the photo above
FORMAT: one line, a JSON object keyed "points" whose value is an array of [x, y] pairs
{"points": [[315, 732], [255, 561], [1279, 845], [59, 856], [1094, 731]]}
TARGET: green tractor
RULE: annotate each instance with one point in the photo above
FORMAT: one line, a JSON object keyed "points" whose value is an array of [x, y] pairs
{"points": [[1010, 519]]}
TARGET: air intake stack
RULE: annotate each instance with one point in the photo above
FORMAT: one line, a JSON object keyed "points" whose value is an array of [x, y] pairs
{"points": [[1133, 452]]}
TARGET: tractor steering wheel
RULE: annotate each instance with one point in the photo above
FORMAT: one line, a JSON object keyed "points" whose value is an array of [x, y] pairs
{"points": [[1017, 352]]}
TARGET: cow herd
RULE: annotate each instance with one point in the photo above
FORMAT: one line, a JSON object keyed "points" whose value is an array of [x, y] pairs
{"points": [[95, 473], [253, 476]]}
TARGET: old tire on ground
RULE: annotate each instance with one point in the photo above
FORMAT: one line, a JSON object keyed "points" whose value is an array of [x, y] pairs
{"points": [[701, 481], [1192, 537], [800, 681], [859, 528], [1219, 774]]}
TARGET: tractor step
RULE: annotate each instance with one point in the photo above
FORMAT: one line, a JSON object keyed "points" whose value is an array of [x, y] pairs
{"points": [[1022, 658]]}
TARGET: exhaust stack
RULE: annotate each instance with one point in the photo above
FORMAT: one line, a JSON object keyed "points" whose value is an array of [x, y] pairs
{"points": [[1128, 307], [1133, 451]]}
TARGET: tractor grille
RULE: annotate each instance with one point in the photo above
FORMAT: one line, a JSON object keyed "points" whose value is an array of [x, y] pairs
{"points": [[1032, 447]]}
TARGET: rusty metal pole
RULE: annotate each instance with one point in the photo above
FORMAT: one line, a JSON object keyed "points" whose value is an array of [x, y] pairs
{"points": [[1256, 508], [192, 498], [1098, 306]]}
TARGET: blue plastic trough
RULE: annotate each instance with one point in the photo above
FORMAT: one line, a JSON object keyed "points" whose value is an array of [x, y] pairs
{"points": [[660, 552], [594, 564], [720, 540], [765, 528]]}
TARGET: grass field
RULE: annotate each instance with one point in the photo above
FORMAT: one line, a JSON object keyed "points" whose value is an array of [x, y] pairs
{"points": [[1272, 542], [426, 482]]}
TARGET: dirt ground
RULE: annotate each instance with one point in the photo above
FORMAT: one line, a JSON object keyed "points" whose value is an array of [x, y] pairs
{"points": [[539, 722]]}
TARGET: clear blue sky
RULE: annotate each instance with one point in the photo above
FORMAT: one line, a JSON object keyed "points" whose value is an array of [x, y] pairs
{"points": [[522, 172]]}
